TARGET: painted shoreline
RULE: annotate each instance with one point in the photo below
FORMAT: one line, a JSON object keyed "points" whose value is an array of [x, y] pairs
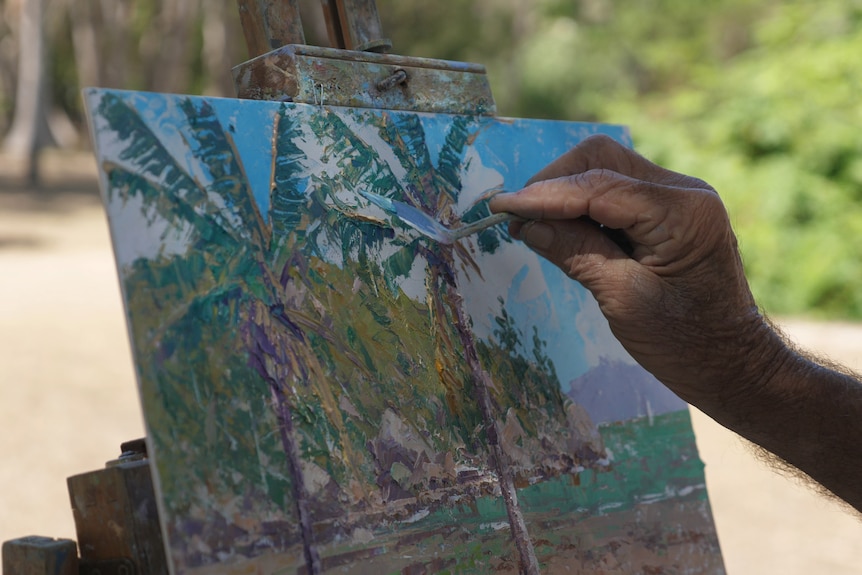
{"points": [[636, 514]]}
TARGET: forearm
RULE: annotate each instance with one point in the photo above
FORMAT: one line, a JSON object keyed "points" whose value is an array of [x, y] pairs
{"points": [[807, 414]]}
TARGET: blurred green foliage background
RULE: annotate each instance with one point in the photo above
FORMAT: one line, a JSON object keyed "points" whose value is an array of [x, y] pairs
{"points": [[763, 99]]}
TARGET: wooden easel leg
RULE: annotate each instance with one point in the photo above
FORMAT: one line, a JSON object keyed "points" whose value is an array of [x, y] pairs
{"points": [[116, 518], [36, 555]]}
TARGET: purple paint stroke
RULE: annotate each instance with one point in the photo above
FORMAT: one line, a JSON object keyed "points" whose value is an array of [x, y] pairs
{"points": [[300, 496], [260, 349], [277, 312]]}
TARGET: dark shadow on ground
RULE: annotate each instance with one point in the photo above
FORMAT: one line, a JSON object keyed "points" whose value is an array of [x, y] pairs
{"points": [[68, 181], [51, 196]]}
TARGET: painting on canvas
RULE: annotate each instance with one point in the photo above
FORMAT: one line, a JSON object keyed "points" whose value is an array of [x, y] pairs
{"points": [[327, 391]]}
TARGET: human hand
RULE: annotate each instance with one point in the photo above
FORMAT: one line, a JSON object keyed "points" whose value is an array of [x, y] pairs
{"points": [[676, 297]]}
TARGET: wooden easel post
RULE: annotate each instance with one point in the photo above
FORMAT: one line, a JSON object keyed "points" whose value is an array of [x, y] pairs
{"points": [[116, 523], [354, 25], [116, 518], [40, 556], [270, 24]]}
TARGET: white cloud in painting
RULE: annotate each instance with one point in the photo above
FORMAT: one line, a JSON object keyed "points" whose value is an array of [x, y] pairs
{"points": [[414, 285], [476, 179], [499, 272], [141, 233], [369, 134], [534, 284]]}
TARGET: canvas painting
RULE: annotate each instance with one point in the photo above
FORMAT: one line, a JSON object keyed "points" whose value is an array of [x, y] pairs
{"points": [[326, 390]]}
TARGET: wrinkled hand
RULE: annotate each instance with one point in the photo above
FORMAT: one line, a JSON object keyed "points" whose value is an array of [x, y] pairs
{"points": [[676, 297], [678, 300]]}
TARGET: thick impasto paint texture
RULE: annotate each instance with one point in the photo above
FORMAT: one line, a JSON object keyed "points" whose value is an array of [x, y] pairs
{"points": [[327, 391]]}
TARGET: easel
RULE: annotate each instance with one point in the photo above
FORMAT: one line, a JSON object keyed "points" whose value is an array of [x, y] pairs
{"points": [[116, 518]]}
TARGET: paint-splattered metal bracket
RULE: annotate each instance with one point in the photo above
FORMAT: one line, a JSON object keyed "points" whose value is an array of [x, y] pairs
{"points": [[356, 72]]}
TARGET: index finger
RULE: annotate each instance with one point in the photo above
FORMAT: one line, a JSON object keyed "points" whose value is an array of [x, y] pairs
{"points": [[599, 152], [648, 212]]}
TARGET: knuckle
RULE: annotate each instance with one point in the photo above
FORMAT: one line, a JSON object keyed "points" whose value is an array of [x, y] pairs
{"points": [[599, 142], [702, 184], [597, 177], [712, 203], [604, 150]]}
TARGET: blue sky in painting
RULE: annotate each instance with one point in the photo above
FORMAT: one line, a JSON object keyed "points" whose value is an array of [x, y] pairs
{"points": [[517, 149], [250, 124], [509, 152], [520, 148]]}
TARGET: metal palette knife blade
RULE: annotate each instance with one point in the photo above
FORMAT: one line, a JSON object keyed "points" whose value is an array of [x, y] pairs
{"points": [[428, 226]]}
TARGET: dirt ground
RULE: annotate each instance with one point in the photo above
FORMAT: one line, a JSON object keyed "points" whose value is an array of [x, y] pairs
{"points": [[67, 390]]}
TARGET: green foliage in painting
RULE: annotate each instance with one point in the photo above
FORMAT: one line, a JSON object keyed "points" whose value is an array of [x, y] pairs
{"points": [[291, 327], [185, 305], [534, 389]]}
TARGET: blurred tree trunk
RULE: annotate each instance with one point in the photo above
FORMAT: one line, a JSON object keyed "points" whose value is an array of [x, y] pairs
{"points": [[86, 18], [102, 37], [30, 131], [523, 24], [220, 30], [166, 47], [113, 23], [8, 58]]}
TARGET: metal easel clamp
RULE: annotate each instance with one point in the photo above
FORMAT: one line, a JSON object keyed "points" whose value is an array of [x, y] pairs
{"points": [[356, 72], [316, 75]]}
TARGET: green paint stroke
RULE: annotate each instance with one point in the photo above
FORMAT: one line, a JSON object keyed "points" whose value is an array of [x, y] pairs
{"points": [[655, 472], [652, 461]]}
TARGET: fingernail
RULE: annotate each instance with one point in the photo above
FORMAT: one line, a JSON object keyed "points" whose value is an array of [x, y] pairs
{"points": [[538, 235]]}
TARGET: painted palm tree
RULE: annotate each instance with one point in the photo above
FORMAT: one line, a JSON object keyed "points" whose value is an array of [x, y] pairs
{"points": [[231, 265], [239, 273], [435, 190], [263, 276]]}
